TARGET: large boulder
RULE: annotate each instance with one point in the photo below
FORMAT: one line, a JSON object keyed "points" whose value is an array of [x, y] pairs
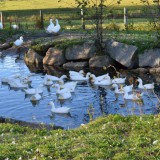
{"points": [[150, 58], [100, 62], [80, 52], [76, 66], [32, 57], [54, 57], [122, 53], [5, 46]]}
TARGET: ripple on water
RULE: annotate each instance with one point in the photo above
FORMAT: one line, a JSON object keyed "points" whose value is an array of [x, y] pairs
{"points": [[86, 99]]}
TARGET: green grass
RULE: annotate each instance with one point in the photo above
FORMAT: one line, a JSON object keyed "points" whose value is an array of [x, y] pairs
{"points": [[110, 137], [41, 4]]}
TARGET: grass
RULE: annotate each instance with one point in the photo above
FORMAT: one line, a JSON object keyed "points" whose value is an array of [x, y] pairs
{"points": [[39, 4], [110, 137]]}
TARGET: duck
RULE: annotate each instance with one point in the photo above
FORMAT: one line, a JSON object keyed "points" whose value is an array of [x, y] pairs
{"points": [[145, 86], [35, 97], [70, 85], [19, 42], [16, 83], [61, 110], [117, 91], [50, 27], [62, 93], [118, 80], [80, 77], [57, 27]]}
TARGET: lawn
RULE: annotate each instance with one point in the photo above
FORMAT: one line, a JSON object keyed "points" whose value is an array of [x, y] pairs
{"points": [[39, 4], [109, 137]]}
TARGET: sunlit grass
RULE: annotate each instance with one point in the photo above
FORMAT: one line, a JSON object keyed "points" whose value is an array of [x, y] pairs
{"points": [[41, 4], [110, 137]]}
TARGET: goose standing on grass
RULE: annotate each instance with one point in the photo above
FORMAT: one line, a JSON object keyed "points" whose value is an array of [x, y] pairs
{"points": [[19, 42], [50, 27], [15, 26], [57, 27], [1, 25], [145, 86], [61, 110]]}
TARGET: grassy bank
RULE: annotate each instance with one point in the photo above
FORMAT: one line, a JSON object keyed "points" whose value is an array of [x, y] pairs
{"points": [[111, 137]]}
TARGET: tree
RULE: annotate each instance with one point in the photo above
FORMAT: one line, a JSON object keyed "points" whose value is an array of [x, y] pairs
{"points": [[97, 7]]}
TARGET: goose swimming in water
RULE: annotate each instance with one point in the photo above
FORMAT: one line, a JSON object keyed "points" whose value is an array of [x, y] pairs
{"points": [[36, 97], [145, 86], [62, 110]]}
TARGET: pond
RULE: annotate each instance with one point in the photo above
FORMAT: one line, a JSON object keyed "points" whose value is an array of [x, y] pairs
{"points": [[86, 101]]}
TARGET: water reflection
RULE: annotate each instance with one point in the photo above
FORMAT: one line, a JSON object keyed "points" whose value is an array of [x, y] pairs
{"points": [[87, 102]]}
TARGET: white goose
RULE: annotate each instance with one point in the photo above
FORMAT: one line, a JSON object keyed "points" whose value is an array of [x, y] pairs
{"points": [[19, 42], [62, 93], [50, 27], [118, 80], [145, 86], [57, 27], [80, 77], [35, 97], [54, 78], [101, 80], [117, 91], [70, 85], [33, 91], [47, 82], [74, 73], [15, 26], [62, 110], [1, 25]]}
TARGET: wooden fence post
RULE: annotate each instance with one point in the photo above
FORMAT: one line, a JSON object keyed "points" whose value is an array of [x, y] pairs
{"points": [[41, 19], [126, 18], [82, 19]]}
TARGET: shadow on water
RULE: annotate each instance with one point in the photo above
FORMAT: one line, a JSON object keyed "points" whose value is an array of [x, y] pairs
{"points": [[87, 102]]}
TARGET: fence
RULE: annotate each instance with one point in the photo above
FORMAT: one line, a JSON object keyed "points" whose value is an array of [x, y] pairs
{"points": [[74, 18]]}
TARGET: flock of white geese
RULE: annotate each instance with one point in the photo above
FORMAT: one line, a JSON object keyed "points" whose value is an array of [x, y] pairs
{"points": [[51, 28], [65, 88]]}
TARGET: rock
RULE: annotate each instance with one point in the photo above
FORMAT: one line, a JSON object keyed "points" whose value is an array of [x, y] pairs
{"points": [[15, 51], [154, 70], [5, 46], [76, 66], [32, 57], [122, 53], [80, 52], [150, 58], [54, 57], [100, 62], [140, 70]]}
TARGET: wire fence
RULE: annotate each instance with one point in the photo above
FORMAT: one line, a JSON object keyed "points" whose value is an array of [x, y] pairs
{"points": [[75, 18]]}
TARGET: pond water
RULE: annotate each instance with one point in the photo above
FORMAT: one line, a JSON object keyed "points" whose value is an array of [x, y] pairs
{"points": [[87, 100]]}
